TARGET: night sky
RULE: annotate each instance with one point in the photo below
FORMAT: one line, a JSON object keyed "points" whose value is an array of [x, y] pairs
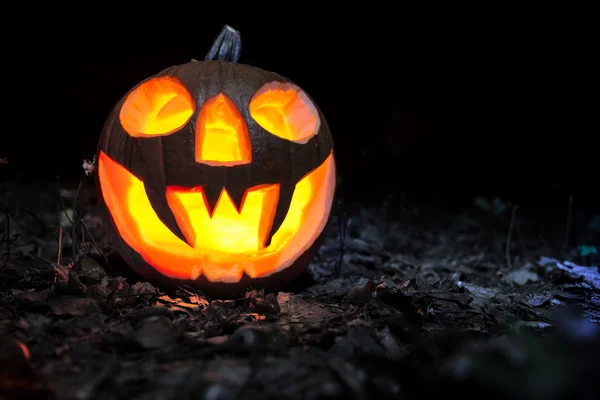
{"points": [[438, 100]]}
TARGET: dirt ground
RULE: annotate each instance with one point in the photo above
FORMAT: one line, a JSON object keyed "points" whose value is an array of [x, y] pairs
{"points": [[403, 302]]}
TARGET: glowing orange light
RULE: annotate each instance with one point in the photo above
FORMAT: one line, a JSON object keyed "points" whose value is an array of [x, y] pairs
{"points": [[284, 110], [24, 349], [226, 229], [227, 245], [156, 107], [221, 133]]}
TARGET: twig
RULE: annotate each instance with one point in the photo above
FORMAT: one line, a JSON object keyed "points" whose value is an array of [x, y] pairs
{"points": [[568, 228], [343, 225], [73, 226], [93, 241], [79, 221], [47, 260], [59, 246], [509, 235], [544, 241], [104, 296], [62, 202], [7, 215], [35, 218], [521, 238]]}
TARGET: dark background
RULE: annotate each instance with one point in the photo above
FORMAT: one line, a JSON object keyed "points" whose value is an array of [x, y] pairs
{"points": [[440, 101]]}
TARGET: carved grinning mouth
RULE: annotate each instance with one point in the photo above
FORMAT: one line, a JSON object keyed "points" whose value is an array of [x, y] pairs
{"points": [[243, 225], [228, 241]]}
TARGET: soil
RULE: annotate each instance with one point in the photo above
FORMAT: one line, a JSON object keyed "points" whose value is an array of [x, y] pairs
{"points": [[404, 301]]}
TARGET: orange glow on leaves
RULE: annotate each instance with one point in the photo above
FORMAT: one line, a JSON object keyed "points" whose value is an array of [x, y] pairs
{"points": [[156, 107], [221, 133], [228, 244], [284, 110]]}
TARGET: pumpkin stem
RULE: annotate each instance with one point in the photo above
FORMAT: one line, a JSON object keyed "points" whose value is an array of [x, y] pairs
{"points": [[227, 46]]}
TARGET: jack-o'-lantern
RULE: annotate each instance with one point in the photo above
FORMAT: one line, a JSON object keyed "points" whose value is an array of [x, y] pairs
{"points": [[217, 175]]}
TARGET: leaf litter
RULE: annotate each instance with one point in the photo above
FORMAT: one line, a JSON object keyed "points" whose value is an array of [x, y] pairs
{"points": [[423, 303]]}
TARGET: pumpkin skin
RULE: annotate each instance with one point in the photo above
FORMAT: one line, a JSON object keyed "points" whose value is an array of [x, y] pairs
{"points": [[168, 195]]}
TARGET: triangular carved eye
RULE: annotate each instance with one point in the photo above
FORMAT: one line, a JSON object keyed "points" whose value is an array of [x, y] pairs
{"points": [[284, 110], [159, 106]]}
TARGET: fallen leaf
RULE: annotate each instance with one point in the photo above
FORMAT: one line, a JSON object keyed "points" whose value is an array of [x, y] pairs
{"points": [[296, 309], [522, 276], [71, 305], [142, 288], [89, 271], [34, 296]]}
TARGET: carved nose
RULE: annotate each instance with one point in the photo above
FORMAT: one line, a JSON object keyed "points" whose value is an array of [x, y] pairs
{"points": [[222, 134]]}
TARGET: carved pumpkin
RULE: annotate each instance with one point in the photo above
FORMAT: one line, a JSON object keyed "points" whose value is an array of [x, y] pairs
{"points": [[216, 175]]}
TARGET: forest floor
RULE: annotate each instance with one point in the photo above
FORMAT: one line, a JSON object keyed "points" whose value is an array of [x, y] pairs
{"points": [[425, 302]]}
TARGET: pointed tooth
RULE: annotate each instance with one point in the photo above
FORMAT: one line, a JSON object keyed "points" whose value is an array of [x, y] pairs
{"points": [[237, 194], [211, 193], [283, 205], [236, 184], [158, 200]]}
